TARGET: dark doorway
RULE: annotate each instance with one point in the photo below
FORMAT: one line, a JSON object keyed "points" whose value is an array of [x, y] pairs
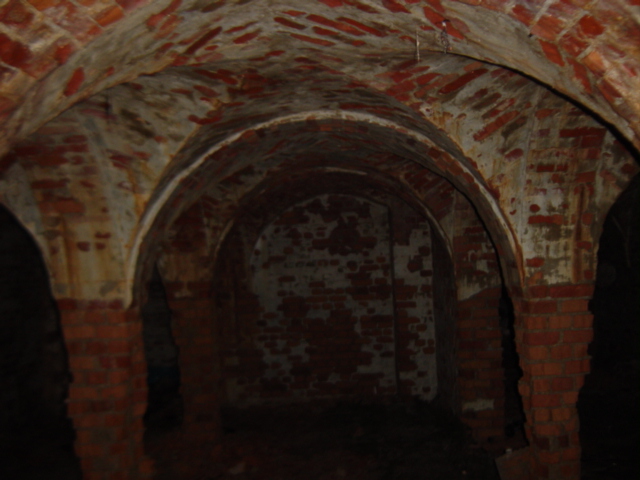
{"points": [[164, 408], [608, 402], [36, 436]]}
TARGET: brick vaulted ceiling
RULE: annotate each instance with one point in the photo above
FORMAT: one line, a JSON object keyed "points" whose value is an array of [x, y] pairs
{"points": [[115, 110], [55, 52]]}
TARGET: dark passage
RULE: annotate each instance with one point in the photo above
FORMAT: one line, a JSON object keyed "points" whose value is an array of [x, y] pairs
{"points": [[36, 436], [609, 402]]}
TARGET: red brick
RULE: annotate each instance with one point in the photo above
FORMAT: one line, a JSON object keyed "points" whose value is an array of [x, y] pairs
{"points": [[113, 331], [75, 82], [83, 362], [289, 23], [578, 336], [495, 125], [77, 392], [91, 450], [535, 262], [545, 400], [535, 322], [365, 28], [571, 291], [16, 14], [560, 322], [547, 430], [574, 306], [548, 369], [13, 53], [541, 338], [523, 14], [462, 81], [317, 41], [539, 291], [247, 37], [543, 306], [582, 321], [552, 52], [562, 384], [590, 27], [156, 19], [95, 378], [119, 391], [573, 45], [548, 27], [44, 4], [109, 16], [577, 366], [76, 332], [547, 457], [561, 352], [546, 219], [537, 353], [394, 6]]}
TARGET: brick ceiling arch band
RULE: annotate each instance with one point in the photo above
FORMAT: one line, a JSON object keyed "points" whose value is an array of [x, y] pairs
{"points": [[82, 52], [162, 208], [299, 185]]}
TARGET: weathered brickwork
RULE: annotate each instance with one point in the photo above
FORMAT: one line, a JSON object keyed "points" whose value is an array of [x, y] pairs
{"points": [[328, 315], [555, 333], [107, 397], [136, 132]]}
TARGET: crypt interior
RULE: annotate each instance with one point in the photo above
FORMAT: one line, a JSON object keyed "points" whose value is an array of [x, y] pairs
{"points": [[411, 226]]}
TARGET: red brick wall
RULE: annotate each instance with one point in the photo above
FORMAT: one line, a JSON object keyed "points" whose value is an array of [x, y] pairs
{"points": [[553, 336], [317, 317], [108, 394]]}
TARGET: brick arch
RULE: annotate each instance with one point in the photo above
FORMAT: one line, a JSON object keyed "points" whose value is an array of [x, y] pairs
{"points": [[419, 187], [298, 185], [182, 190], [56, 53]]}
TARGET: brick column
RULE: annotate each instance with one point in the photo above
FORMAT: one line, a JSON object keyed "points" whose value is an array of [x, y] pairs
{"points": [[108, 392], [554, 328], [198, 357], [480, 370]]}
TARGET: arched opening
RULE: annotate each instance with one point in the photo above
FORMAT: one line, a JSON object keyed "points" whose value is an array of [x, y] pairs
{"points": [[200, 206], [164, 404], [36, 436], [609, 417], [330, 325]]}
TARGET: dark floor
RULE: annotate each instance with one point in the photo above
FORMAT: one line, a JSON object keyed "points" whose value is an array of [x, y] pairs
{"points": [[42, 452], [344, 441], [348, 441]]}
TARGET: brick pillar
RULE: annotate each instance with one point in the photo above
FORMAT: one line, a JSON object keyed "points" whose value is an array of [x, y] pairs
{"points": [[554, 328], [480, 370], [108, 392], [198, 357]]}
